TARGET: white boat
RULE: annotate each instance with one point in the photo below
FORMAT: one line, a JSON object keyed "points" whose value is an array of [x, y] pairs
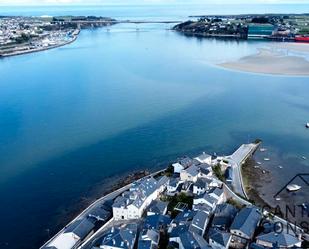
{"points": [[278, 199], [303, 157], [263, 149], [266, 159], [259, 163], [293, 187], [280, 167], [307, 125]]}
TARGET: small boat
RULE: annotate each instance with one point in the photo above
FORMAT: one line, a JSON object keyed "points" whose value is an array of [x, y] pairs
{"points": [[280, 167], [256, 166], [258, 163], [293, 187], [307, 125], [263, 149], [278, 199], [303, 157], [266, 159], [263, 171]]}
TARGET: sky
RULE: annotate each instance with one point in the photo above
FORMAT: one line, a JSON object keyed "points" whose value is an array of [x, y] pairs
{"points": [[78, 2]]}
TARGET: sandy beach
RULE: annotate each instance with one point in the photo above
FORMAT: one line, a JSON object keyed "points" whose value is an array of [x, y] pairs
{"points": [[273, 60]]}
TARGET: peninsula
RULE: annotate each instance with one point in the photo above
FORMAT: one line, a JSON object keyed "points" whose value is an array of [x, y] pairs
{"points": [[196, 202], [20, 35]]}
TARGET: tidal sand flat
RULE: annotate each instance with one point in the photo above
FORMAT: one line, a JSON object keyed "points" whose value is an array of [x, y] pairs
{"points": [[272, 61]]}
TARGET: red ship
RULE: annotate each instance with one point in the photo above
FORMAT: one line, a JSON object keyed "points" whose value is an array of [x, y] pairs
{"points": [[302, 38]]}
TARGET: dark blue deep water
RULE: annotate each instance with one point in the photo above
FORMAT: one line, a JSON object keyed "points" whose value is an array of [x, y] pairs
{"points": [[75, 118]]}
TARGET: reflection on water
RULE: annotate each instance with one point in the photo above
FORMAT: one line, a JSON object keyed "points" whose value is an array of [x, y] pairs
{"points": [[71, 117]]}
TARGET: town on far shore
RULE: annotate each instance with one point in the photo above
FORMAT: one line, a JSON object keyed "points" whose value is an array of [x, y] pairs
{"points": [[20, 35], [275, 27], [195, 203]]}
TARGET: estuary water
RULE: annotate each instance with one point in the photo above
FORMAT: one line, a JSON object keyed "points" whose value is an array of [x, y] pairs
{"points": [[125, 98]]}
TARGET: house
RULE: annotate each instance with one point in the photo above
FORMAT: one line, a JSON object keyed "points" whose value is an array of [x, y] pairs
{"points": [[182, 164], [148, 239], [178, 167], [205, 199], [200, 186], [223, 216], [199, 223], [132, 203], [157, 207], [244, 226], [278, 240], [190, 174], [219, 239], [173, 186], [203, 207], [123, 237], [157, 222], [218, 194], [73, 234], [163, 183], [190, 240], [204, 158], [205, 170]]}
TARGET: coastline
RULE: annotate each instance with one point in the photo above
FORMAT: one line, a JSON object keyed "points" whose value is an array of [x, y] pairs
{"points": [[29, 51]]}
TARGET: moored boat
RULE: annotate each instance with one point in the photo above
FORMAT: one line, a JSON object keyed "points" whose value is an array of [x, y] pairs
{"points": [[293, 187], [301, 38]]}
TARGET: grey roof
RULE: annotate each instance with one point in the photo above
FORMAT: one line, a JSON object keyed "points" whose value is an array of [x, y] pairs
{"points": [[139, 191], [178, 230], [219, 237], [174, 182], [200, 219], [201, 183], [149, 235], [225, 210], [246, 221], [186, 162], [158, 207], [191, 240], [144, 244], [216, 191], [184, 217], [157, 221], [121, 237], [163, 181], [81, 227], [193, 170], [203, 207], [204, 171], [209, 198], [203, 156], [279, 239]]}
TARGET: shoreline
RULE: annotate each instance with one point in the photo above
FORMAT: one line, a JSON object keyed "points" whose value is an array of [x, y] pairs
{"points": [[269, 61], [29, 51]]}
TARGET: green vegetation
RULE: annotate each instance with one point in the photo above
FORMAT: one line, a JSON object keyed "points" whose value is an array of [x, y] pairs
{"points": [[218, 172], [169, 171], [234, 203], [174, 200]]}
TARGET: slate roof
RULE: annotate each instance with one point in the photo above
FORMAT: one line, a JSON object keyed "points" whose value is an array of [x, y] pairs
{"points": [[216, 191], [186, 162], [139, 191], [225, 210], [157, 207], [219, 237], [81, 228], [121, 237], [194, 241], [201, 183], [156, 221], [246, 221], [193, 170], [200, 219], [184, 217], [279, 239]]}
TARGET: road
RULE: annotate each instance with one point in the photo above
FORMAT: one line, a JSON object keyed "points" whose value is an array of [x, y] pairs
{"points": [[236, 160]]}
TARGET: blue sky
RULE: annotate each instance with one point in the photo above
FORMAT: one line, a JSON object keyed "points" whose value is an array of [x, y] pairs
{"points": [[66, 2]]}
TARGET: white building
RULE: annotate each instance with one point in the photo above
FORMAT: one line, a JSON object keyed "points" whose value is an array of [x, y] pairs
{"points": [[177, 167], [133, 203], [190, 174], [204, 158]]}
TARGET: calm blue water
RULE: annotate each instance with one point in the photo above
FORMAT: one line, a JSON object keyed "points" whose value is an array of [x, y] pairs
{"points": [[116, 101]]}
